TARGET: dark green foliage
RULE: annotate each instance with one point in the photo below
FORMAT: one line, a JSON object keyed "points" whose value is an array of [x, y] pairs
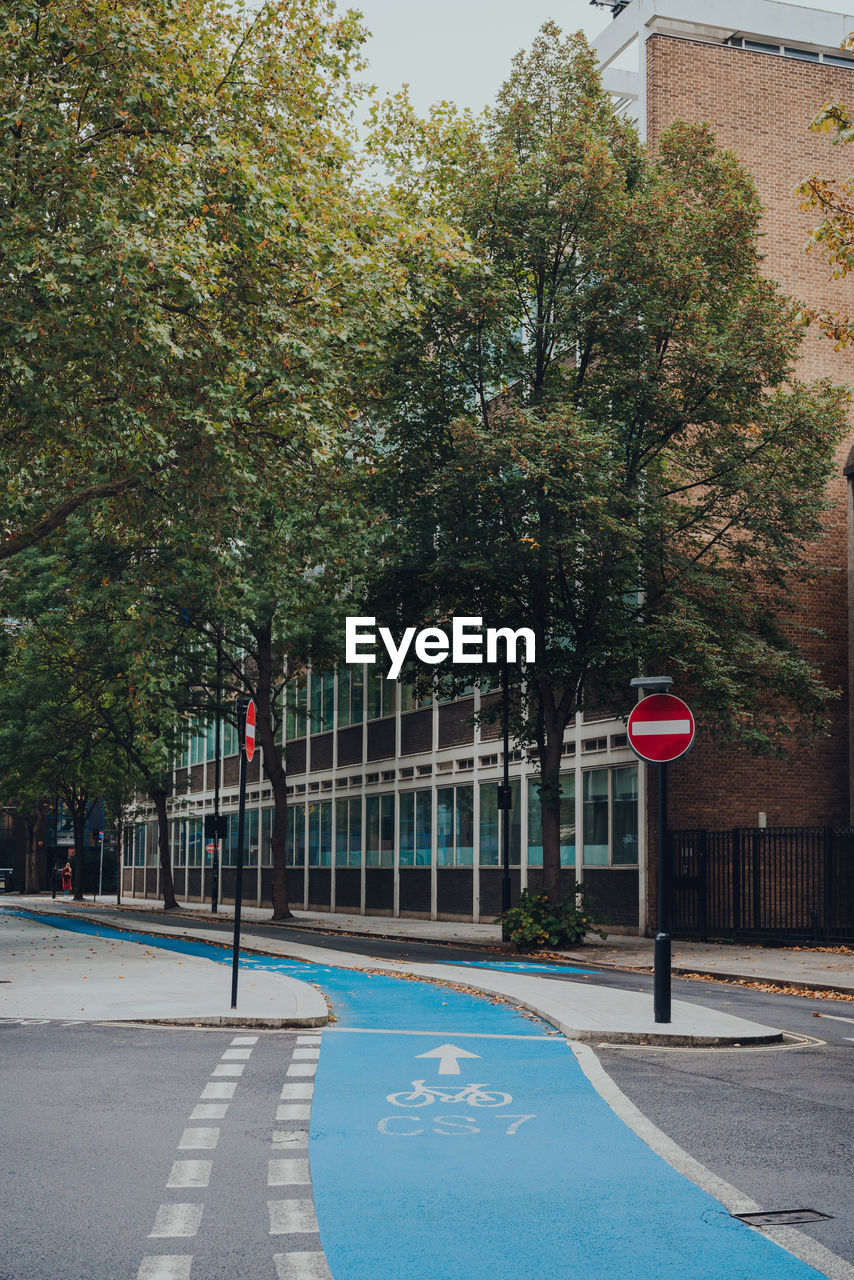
{"points": [[534, 922]]}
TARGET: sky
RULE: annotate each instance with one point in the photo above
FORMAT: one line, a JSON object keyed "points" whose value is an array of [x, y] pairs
{"points": [[460, 50]]}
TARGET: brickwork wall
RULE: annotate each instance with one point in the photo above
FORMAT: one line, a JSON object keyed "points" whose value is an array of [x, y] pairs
{"points": [[760, 107]]}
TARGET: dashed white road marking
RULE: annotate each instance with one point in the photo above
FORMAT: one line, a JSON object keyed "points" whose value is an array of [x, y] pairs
{"points": [[302, 1069], [301, 1055], [309, 1039], [245, 1040], [293, 1111], [209, 1111], [198, 1140], [235, 1055], [190, 1173], [219, 1089], [288, 1173], [229, 1069], [288, 1138], [301, 1266], [175, 1266], [297, 1091], [292, 1217], [176, 1220]]}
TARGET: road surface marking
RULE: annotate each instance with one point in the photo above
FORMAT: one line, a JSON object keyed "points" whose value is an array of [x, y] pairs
{"points": [[290, 1138], [836, 1017], [209, 1111], [301, 1069], [294, 1111], [288, 1173], [292, 1217], [245, 1040], [448, 1055], [305, 1055], [190, 1173], [297, 1090], [176, 1220], [234, 1055], [166, 1267], [301, 1266], [458, 1035], [229, 1069], [647, 728], [220, 1089], [309, 1039], [198, 1140]]}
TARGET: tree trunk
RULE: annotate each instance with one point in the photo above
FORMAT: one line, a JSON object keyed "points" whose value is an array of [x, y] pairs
{"points": [[167, 885], [79, 814], [274, 768], [36, 823]]}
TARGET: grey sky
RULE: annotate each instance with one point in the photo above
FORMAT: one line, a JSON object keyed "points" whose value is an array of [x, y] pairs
{"points": [[461, 49]]}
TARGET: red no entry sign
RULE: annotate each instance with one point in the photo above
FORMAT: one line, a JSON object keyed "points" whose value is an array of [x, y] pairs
{"points": [[249, 736], [661, 728]]}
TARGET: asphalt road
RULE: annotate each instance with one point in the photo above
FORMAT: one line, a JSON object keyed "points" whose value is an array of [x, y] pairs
{"points": [[93, 1117]]}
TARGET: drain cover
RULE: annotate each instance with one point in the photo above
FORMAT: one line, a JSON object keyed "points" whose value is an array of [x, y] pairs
{"points": [[781, 1217]]}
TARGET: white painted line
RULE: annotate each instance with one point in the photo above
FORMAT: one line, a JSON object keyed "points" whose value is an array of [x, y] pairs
{"points": [[176, 1220], [837, 1017], [166, 1267], [245, 1040], [198, 1140], [647, 728], [209, 1111], [288, 1139], [733, 1200], [235, 1055], [291, 1217], [306, 1055], [297, 1090], [302, 1069], [219, 1090], [288, 1173], [293, 1111], [190, 1173], [309, 1039], [229, 1069], [301, 1265], [468, 1035], [848, 1038]]}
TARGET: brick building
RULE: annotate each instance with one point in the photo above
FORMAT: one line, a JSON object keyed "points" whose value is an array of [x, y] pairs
{"points": [[393, 805]]}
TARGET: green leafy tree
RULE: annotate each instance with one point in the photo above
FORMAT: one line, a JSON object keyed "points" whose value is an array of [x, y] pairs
{"points": [[834, 202], [598, 433]]}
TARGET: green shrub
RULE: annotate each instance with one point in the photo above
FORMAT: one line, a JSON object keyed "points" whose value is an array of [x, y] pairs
{"points": [[535, 922]]}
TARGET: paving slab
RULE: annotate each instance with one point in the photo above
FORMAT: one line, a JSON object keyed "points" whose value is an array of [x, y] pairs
{"points": [[55, 973], [581, 1012]]}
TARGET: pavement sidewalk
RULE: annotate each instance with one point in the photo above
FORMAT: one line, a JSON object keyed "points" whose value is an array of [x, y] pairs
{"points": [[580, 1011], [831, 969]]}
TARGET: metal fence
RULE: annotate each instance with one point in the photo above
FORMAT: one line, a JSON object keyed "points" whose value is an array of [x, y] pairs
{"points": [[774, 883]]}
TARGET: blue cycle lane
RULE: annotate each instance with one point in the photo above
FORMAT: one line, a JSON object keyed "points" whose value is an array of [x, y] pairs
{"points": [[453, 1138]]}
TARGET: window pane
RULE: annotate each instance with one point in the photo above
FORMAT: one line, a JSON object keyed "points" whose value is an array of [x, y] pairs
{"points": [[445, 827], [407, 829], [624, 809], [295, 838], [250, 838], [567, 820], [596, 818], [266, 832], [372, 831], [296, 707], [320, 834], [423, 828], [465, 827], [375, 693], [343, 696], [316, 687], [328, 719], [342, 815], [489, 818], [355, 835], [387, 831]]}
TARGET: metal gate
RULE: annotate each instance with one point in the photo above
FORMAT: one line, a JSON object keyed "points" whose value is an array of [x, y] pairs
{"points": [[783, 883]]}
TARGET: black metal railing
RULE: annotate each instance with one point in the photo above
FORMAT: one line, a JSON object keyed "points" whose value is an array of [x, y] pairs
{"points": [[776, 883]]}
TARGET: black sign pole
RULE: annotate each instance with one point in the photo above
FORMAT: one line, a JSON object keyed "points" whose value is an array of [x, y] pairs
{"points": [[242, 705], [661, 972]]}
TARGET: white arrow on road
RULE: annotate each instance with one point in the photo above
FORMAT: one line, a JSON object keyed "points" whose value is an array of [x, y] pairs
{"points": [[448, 1055]]}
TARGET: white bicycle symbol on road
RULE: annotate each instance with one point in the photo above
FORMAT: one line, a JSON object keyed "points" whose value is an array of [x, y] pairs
{"points": [[476, 1095]]}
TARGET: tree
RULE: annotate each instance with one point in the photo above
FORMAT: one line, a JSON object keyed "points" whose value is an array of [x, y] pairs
{"points": [[834, 235], [185, 253], [597, 432]]}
